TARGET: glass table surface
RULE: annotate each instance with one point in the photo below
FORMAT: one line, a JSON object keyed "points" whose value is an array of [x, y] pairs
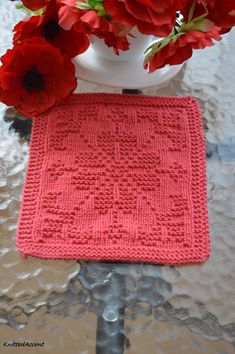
{"points": [[103, 307]]}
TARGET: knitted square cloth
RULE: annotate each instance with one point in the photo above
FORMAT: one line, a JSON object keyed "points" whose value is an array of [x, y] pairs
{"points": [[117, 177]]}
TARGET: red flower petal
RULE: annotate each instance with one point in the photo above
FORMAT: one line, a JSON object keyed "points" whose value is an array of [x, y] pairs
{"points": [[151, 17], [35, 4]]}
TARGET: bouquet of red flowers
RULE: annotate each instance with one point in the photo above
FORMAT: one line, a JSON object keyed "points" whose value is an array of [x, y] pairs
{"points": [[37, 73]]}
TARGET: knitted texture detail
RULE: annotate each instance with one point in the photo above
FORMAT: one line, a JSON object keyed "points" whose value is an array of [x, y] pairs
{"points": [[117, 177]]}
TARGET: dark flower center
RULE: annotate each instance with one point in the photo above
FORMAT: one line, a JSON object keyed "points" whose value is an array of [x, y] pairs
{"points": [[33, 81], [51, 30]]}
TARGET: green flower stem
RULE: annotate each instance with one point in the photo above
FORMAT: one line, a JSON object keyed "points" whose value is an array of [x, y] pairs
{"points": [[191, 11], [199, 24], [83, 5]]}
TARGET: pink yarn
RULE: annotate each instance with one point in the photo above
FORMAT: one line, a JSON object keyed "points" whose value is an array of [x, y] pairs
{"points": [[117, 177]]}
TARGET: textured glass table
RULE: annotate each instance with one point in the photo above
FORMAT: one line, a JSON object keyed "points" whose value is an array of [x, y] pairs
{"points": [[95, 307]]}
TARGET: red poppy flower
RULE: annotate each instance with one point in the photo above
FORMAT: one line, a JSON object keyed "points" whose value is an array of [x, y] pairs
{"points": [[181, 48], [35, 4], [154, 17], [35, 76], [71, 42]]}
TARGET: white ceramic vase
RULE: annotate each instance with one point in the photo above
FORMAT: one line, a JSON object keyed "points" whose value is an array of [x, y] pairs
{"points": [[100, 65]]}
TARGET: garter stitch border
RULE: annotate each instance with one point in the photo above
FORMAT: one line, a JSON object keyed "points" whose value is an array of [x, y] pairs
{"points": [[39, 231]]}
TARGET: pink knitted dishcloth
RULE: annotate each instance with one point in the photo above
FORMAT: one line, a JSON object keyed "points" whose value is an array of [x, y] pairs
{"points": [[119, 178]]}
